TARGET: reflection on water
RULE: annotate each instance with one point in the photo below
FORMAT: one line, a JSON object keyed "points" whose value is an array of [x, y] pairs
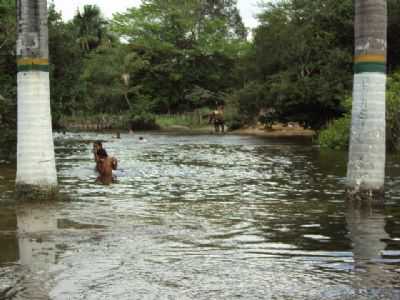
{"points": [[205, 217], [37, 253], [33, 223], [375, 268]]}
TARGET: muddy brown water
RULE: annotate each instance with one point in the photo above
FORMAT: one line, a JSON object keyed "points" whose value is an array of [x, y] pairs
{"points": [[199, 217]]}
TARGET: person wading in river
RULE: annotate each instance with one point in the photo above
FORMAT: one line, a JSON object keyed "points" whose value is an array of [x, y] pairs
{"points": [[106, 164], [100, 152], [97, 146]]}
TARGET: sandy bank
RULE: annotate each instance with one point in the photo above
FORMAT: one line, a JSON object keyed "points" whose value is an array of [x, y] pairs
{"points": [[276, 131]]}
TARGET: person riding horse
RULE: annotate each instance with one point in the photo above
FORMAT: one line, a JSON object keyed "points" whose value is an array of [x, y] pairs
{"points": [[216, 117]]}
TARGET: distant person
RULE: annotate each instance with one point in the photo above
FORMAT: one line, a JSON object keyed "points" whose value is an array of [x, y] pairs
{"points": [[106, 165], [216, 117], [131, 131]]}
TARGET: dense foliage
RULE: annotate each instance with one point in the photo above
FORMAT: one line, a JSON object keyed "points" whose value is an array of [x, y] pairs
{"points": [[170, 57], [302, 59], [8, 66], [337, 133]]}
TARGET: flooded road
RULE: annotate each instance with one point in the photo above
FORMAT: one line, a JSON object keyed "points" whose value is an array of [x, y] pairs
{"points": [[199, 217]]}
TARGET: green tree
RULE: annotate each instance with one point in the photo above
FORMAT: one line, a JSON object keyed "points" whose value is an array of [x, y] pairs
{"points": [[189, 49], [226, 10], [7, 64], [91, 28], [393, 36], [302, 57], [66, 65], [112, 76]]}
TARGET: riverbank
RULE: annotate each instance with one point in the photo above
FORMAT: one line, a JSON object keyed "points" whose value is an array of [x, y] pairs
{"points": [[251, 131], [255, 131], [189, 122], [277, 130]]}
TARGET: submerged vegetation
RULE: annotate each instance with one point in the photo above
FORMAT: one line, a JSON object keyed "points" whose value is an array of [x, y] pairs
{"points": [[166, 63]]}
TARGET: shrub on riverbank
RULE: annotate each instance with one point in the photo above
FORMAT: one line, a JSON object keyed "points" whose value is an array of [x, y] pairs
{"points": [[143, 121], [337, 133], [393, 112]]}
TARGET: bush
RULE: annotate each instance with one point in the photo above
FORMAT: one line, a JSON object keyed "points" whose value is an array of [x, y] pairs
{"points": [[143, 121], [336, 135], [233, 119], [393, 113], [251, 99], [234, 123]]}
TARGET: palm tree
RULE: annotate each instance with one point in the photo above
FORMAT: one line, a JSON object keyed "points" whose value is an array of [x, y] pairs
{"points": [[35, 150], [366, 166], [91, 28]]}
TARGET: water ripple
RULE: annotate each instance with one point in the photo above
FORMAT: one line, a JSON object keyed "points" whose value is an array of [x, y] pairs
{"points": [[200, 217]]}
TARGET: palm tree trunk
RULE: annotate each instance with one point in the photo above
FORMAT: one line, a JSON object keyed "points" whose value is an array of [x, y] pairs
{"points": [[366, 166], [35, 150]]}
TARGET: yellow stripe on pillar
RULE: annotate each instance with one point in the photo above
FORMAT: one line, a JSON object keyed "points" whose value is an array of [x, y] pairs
{"points": [[33, 61], [33, 64], [376, 58]]}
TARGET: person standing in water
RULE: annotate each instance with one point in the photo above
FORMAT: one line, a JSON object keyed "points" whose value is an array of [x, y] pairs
{"points": [[97, 146], [106, 164], [103, 161]]}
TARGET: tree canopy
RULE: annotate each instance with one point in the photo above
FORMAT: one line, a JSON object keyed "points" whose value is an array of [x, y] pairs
{"points": [[173, 56]]}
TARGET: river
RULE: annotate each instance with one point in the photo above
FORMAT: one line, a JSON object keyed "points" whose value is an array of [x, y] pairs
{"points": [[199, 217]]}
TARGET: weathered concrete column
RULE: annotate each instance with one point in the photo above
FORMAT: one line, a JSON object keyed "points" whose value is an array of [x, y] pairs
{"points": [[366, 166], [35, 150]]}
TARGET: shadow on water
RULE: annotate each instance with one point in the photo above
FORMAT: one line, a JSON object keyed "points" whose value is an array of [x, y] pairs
{"points": [[199, 217]]}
